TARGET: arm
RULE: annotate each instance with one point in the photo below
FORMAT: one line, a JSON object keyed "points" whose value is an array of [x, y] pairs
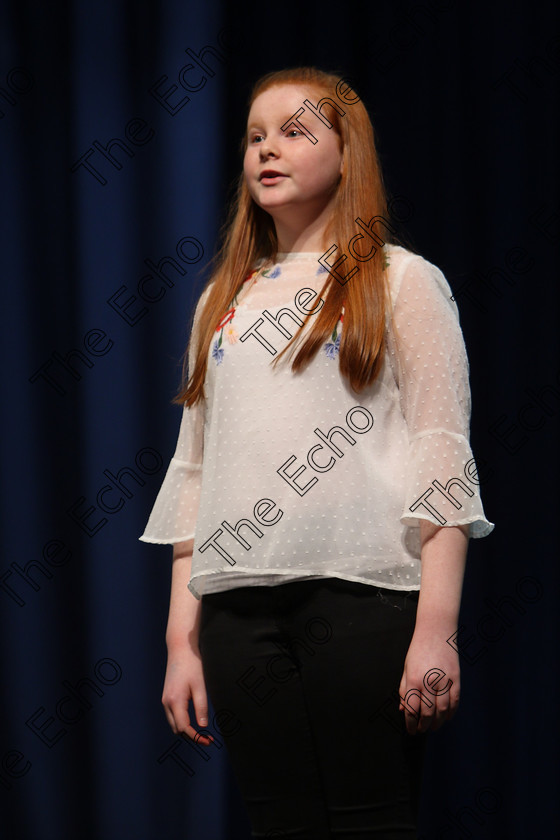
{"points": [[184, 679], [431, 369], [173, 516], [443, 556]]}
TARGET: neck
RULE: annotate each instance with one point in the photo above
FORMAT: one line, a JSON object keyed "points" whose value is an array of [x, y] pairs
{"points": [[296, 232]]}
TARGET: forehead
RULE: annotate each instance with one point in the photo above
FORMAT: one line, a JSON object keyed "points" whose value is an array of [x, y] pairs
{"points": [[279, 99]]}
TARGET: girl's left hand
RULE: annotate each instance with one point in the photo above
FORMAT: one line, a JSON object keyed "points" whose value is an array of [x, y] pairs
{"points": [[431, 679]]}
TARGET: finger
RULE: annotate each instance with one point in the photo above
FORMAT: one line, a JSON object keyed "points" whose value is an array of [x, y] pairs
{"points": [[188, 729], [411, 721], [442, 711], [426, 715], [437, 721], [419, 709], [426, 721], [412, 714], [184, 728], [177, 713], [169, 715], [447, 707], [454, 697], [192, 734], [200, 704], [414, 722]]}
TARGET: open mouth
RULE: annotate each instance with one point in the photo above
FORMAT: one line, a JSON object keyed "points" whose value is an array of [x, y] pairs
{"points": [[271, 176]]}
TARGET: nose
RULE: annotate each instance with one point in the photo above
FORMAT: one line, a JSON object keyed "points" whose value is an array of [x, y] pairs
{"points": [[267, 149]]}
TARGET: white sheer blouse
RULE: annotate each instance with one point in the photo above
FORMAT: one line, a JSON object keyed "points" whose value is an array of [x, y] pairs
{"points": [[281, 477]]}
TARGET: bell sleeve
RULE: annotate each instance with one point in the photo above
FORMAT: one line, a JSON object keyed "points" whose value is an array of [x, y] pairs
{"points": [[430, 364], [173, 516]]}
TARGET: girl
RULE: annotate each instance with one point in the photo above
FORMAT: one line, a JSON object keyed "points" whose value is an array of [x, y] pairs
{"points": [[323, 488]]}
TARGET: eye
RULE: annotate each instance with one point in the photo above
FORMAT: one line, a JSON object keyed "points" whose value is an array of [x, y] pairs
{"points": [[294, 131], [256, 138]]}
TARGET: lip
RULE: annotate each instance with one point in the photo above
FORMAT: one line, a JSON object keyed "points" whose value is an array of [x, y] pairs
{"points": [[271, 176]]}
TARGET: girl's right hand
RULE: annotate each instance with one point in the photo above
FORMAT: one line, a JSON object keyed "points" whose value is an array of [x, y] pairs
{"points": [[184, 681]]}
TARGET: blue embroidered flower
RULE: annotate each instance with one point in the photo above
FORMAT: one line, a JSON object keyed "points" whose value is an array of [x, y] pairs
{"points": [[217, 352], [272, 275], [321, 270], [332, 348]]}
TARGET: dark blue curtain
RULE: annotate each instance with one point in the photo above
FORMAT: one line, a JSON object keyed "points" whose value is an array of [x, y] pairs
{"points": [[120, 124]]}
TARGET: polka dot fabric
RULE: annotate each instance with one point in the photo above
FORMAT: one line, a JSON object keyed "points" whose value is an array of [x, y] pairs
{"points": [[281, 477]]}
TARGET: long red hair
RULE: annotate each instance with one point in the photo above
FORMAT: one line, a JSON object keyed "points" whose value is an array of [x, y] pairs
{"points": [[249, 234]]}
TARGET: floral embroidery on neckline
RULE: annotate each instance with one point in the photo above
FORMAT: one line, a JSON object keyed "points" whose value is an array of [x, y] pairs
{"points": [[331, 348], [231, 333], [271, 273]]}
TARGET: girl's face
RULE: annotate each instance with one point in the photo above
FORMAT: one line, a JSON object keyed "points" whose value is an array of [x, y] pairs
{"points": [[306, 172]]}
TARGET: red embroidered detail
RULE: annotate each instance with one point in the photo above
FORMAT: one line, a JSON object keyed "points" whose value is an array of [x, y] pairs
{"points": [[226, 319]]}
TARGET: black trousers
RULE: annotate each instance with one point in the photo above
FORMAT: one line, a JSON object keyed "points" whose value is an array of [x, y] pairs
{"points": [[304, 678]]}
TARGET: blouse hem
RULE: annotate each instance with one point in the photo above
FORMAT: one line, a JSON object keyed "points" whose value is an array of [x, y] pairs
{"points": [[290, 573]]}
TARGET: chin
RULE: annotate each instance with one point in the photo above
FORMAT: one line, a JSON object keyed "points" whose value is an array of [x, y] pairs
{"points": [[272, 204]]}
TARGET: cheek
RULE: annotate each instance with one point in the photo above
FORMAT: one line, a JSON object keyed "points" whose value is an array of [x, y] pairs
{"points": [[331, 169], [251, 159], [247, 164], [249, 171], [322, 175], [321, 166]]}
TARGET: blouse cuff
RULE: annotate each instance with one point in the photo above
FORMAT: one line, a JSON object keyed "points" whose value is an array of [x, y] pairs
{"points": [[173, 516], [442, 484]]}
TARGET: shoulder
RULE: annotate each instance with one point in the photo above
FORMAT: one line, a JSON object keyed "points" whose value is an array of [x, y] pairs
{"points": [[203, 297], [204, 294], [414, 279]]}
